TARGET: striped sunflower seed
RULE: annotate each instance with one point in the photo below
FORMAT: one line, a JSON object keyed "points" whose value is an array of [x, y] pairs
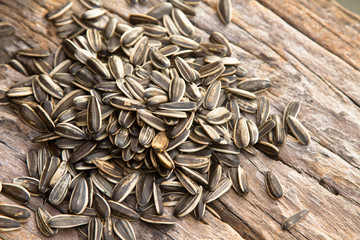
{"points": [[182, 23], [223, 186], [124, 230], [188, 203], [18, 213], [59, 191], [292, 109], [292, 220], [241, 133], [299, 131], [8, 224], [277, 135], [68, 221], [156, 219], [273, 185], [239, 179], [79, 197], [122, 211], [95, 229], [125, 186]]}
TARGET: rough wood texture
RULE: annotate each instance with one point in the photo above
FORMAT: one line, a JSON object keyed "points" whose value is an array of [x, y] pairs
{"points": [[310, 50]]}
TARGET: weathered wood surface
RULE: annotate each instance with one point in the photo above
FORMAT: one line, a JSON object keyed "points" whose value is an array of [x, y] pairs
{"points": [[310, 50]]}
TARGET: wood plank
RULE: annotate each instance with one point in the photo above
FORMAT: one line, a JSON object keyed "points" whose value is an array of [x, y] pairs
{"points": [[309, 55]]}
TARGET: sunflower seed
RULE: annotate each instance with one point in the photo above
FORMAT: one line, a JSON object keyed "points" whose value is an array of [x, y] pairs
{"points": [[159, 10], [255, 84], [158, 199], [253, 132], [138, 53], [125, 186], [42, 217], [292, 109], [189, 184], [31, 160], [199, 211], [94, 120], [217, 37], [124, 230], [135, 18], [212, 95], [34, 52], [18, 213], [165, 160], [219, 116], [8, 224], [49, 169], [68, 221], [66, 103], [70, 131], [188, 203], [170, 25], [98, 67], [82, 151], [263, 111], [185, 70], [156, 219], [158, 59], [299, 131], [223, 186], [214, 176], [93, 13], [177, 89], [241, 93], [127, 103], [79, 197], [266, 127], [6, 29], [277, 134], [16, 192], [108, 233], [210, 69], [239, 180], [101, 206], [31, 118], [267, 148], [60, 190], [273, 185], [191, 161], [292, 220], [131, 36], [110, 28], [95, 229], [225, 11], [50, 87], [182, 22], [184, 42], [241, 133], [119, 210], [29, 183]]}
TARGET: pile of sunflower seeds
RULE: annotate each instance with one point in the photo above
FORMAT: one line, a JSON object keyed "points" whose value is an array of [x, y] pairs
{"points": [[139, 117]]}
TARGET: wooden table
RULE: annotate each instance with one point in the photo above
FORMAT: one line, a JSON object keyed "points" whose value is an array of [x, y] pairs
{"points": [[310, 51]]}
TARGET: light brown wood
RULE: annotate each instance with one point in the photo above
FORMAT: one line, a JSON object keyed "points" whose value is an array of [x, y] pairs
{"points": [[309, 49]]}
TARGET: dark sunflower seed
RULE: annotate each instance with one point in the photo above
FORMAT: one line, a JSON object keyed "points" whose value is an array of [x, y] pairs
{"points": [[273, 185], [299, 131], [292, 220]]}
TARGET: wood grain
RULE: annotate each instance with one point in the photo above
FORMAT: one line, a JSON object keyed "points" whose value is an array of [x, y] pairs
{"points": [[309, 49]]}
